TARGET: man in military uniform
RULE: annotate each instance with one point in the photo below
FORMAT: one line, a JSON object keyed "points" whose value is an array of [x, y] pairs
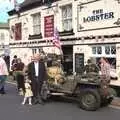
{"points": [[55, 73], [91, 69]]}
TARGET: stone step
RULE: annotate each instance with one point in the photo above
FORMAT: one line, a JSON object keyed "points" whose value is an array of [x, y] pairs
{"points": [[116, 102]]}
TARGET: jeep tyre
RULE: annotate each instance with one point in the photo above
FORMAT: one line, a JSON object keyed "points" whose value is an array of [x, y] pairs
{"points": [[89, 100]]}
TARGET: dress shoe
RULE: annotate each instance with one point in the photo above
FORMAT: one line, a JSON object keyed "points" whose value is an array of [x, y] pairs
{"points": [[2, 92], [35, 102], [41, 102]]}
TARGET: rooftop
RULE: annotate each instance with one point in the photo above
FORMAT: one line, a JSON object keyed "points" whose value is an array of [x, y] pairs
{"points": [[28, 2], [31, 4]]}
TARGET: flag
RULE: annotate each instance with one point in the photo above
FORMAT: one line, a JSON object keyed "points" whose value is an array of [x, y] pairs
{"points": [[56, 40]]}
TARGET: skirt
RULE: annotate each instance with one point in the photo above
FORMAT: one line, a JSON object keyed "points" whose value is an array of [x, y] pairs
{"points": [[28, 93]]}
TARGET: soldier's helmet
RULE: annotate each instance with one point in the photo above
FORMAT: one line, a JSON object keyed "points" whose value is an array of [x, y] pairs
{"points": [[55, 63], [89, 61]]}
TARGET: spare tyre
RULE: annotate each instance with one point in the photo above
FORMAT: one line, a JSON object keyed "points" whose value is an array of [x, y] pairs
{"points": [[89, 100]]}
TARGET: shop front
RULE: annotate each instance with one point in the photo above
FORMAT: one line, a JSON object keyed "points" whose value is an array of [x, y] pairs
{"points": [[95, 51]]}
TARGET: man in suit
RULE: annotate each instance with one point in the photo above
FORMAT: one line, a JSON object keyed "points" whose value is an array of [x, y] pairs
{"points": [[37, 75]]}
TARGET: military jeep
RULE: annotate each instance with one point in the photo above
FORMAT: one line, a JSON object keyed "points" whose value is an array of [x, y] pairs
{"points": [[85, 89]]}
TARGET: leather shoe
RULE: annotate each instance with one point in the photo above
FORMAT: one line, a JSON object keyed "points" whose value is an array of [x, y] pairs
{"points": [[41, 102]]}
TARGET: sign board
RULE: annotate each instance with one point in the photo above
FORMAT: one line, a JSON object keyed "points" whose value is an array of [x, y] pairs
{"points": [[79, 62], [49, 26], [98, 14]]}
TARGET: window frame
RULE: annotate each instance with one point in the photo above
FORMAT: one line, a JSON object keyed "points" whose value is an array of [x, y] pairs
{"points": [[67, 19], [2, 36], [18, 31], [35, 24], [103, 53]]}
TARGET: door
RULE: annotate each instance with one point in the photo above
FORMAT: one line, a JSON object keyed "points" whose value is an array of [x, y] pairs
{"points": [[68, 59]]}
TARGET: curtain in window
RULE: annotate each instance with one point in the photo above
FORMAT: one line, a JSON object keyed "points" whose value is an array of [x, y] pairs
{"points": [[67, 18], [64, 13], [69, 11], [18, 32], [12, 31], [36, 23]]}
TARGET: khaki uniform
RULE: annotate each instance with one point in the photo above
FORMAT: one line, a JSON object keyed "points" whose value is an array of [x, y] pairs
{"points": [[91, 68], [92, 71], [55, 74]]}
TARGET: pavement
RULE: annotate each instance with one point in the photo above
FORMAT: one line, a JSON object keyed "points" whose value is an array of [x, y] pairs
{"points": [[116, 102]]}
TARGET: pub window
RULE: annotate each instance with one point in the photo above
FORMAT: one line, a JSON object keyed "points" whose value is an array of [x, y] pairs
{"points": [[36, 23], [107, 50], [99, 50], [18, 34], [113, 50], [67, 17], [2, 36], [34, 51], [93, 50], [39, 50]]}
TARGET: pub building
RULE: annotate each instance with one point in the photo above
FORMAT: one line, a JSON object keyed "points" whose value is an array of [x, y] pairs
{"points": [[87, 29]]}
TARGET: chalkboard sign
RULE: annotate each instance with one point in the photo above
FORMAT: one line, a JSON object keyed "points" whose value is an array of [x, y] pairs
{"points": [[79, 63]]}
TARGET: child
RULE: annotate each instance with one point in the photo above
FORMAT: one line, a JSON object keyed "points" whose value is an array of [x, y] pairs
{"points": [[28, 92]]}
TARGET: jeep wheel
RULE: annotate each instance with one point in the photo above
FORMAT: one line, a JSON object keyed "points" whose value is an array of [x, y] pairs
{"points": [[89, 100]]}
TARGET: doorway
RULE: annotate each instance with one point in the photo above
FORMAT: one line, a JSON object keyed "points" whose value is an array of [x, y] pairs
{"points": [[67, 59]]}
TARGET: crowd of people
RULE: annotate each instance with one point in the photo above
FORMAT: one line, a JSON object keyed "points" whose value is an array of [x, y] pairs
{"points": [[30, 78]]}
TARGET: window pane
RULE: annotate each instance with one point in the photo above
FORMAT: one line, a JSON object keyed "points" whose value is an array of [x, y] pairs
{"points": [[36, 23], [64, 13], [65, 25], [2, 36], [67, 17], [39, 50], [18, 31], [36, 30], [99, 50], [69, 11], [93, 50], [69, 25], [107, 50], [113, 50]]}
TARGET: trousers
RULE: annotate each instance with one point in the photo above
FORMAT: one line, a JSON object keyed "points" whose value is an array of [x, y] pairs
{"points": [[37, 88]]}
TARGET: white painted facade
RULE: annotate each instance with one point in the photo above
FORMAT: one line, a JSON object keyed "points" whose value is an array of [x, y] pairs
{"points": [[93, 28], [4, 40]]}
